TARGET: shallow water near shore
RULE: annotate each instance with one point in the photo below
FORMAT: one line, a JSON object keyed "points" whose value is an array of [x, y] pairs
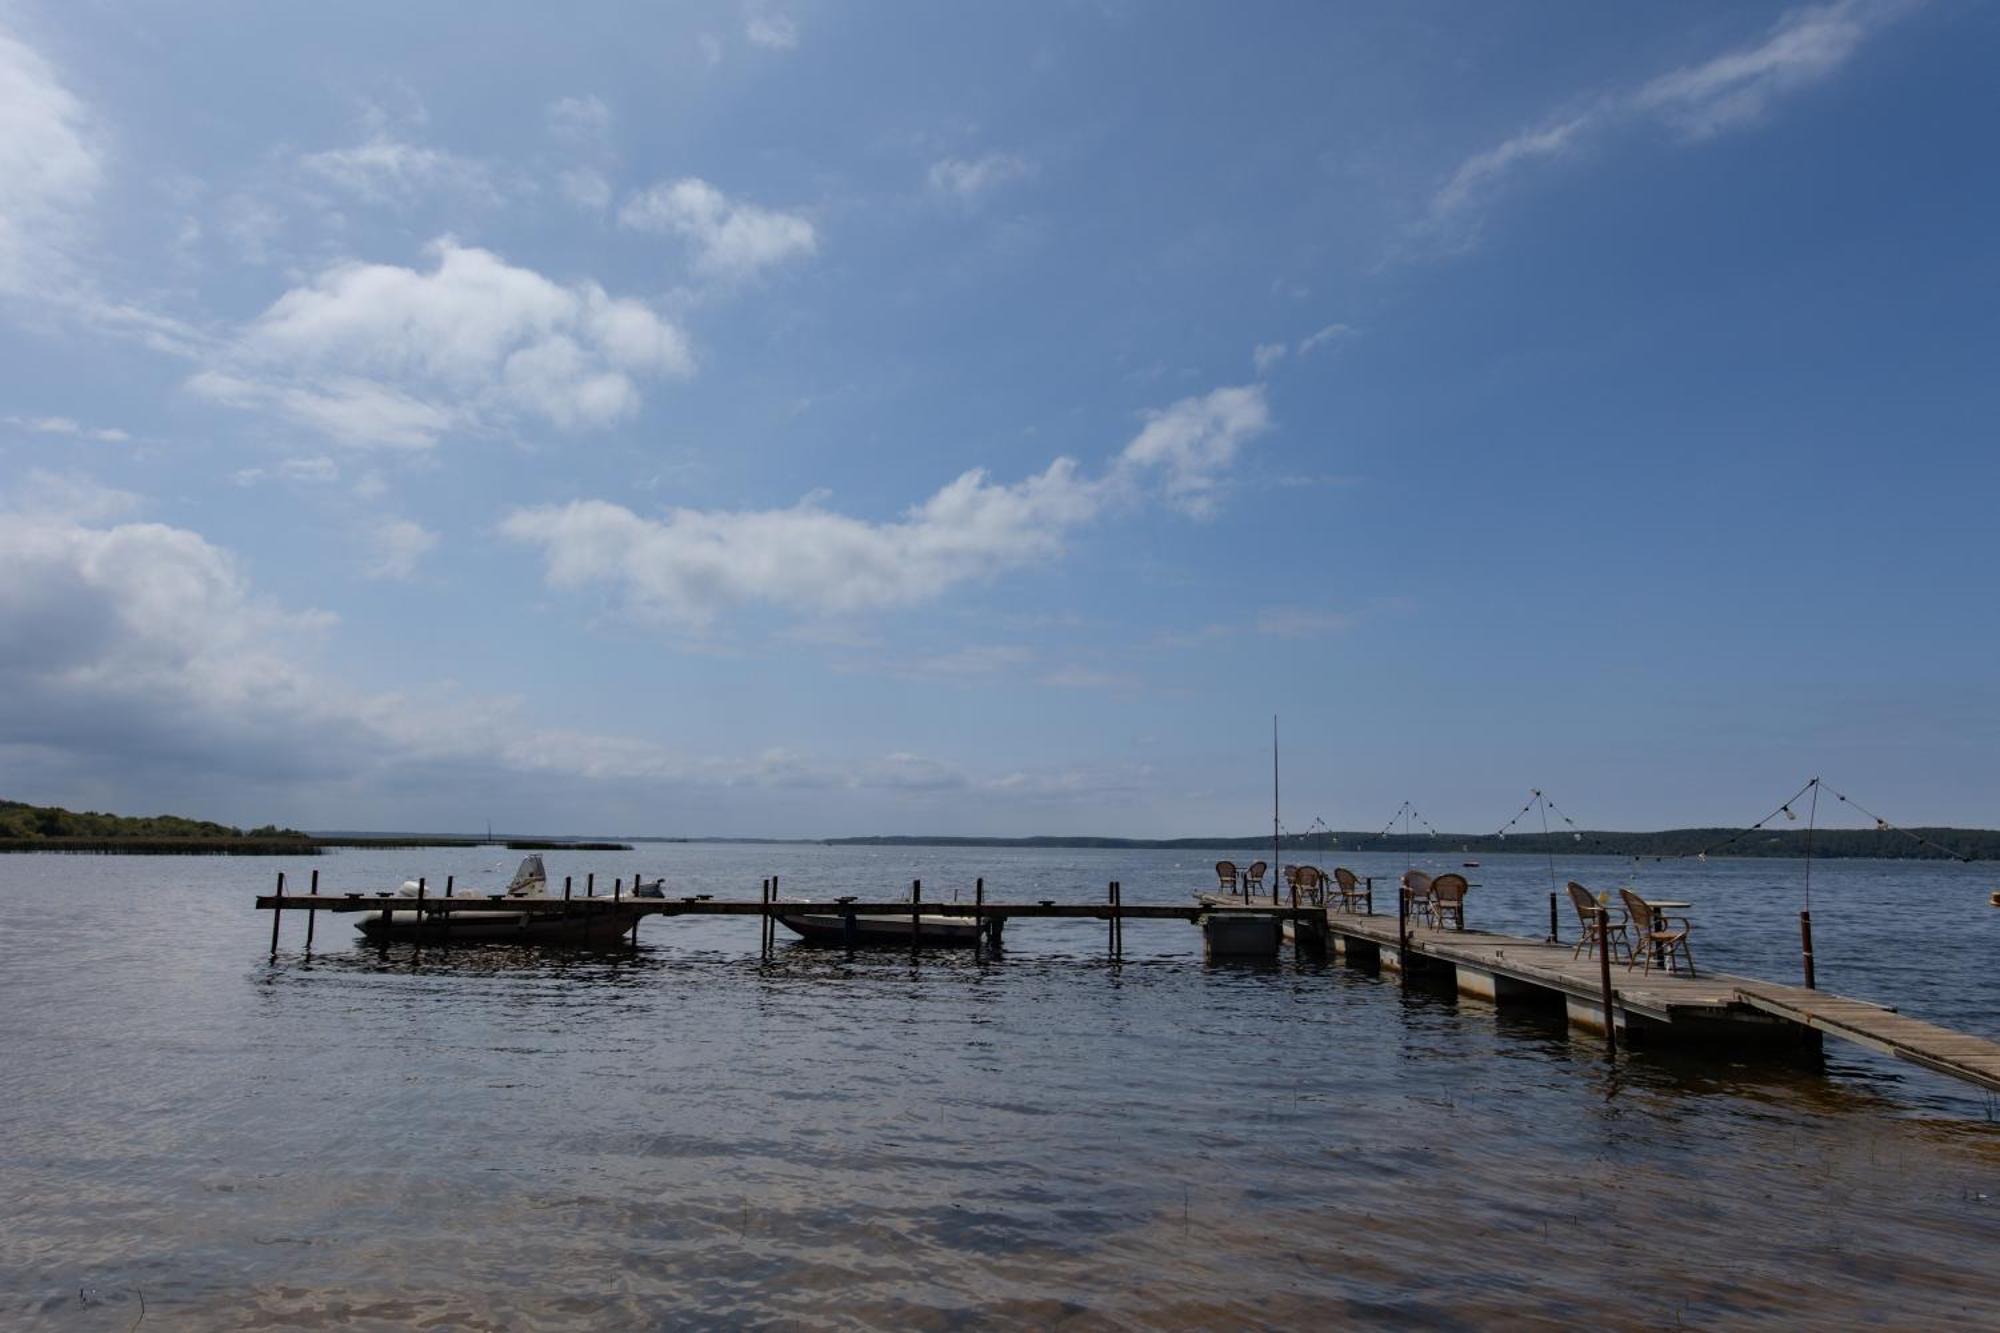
{"points": [[685, 1133]]}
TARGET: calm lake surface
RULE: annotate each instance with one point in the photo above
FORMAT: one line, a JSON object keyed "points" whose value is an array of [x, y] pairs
{"points": [[686, 1134]]}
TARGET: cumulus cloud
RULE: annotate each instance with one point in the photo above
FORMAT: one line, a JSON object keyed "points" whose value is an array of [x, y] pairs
{"points": [[967, 180], [1729, 91], [378, 354], [50, 165], [1326, 334], [1266, 355], [585, 119], [688, 566], [730, 238], [1194, 442], [143, 650]]}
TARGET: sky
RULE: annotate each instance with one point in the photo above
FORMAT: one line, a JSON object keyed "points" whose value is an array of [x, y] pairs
{"points": [[804, 419]]}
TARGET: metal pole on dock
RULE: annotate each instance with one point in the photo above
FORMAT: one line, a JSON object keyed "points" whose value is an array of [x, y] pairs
{"points": [[1554, 938], [1604, 979], [1805, 942], [590, 885], [277, 912], [1403, 933], [311, 913]]}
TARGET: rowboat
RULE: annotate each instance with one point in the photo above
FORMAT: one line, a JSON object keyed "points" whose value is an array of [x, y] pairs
{"points": [[821, 926], [530, 883]]}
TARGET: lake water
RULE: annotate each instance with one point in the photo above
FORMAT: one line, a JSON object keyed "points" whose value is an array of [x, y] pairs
{"points": [[687, 1134]]}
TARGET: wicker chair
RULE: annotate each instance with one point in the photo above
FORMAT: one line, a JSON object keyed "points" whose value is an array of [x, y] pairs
{"points": [[1615, 922], [1447, 905], [1417, 893], [1310, 885], [1225, 875], [1253, 878], [1659, 938], [1353, 891]]}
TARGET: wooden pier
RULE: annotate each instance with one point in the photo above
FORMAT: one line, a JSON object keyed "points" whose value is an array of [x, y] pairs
{"points": [[1709, 1009]]}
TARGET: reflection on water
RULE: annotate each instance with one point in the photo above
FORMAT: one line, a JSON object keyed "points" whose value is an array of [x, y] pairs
{"points": [[499, 1137]]}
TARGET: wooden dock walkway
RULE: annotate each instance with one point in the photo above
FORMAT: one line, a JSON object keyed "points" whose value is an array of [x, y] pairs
{"points": [[1712, 1006]]}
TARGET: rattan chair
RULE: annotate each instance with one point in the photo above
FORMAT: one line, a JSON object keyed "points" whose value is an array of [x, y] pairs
{"points": [[1353, 891], [1310, 885], [1225, 874], [1658, 938], [1615, 921], [1253, 878], [1447, 905], [1417, 894]]}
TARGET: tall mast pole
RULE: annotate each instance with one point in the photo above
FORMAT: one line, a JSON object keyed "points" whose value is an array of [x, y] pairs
{"points": [[1277, 864]]}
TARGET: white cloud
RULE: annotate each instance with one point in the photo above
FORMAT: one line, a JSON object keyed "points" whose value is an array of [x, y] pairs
{"points": [[968, 180], [687, 567], [50, 166], [386, 170], [1735, 88], [69, 496], [67, 426], [1327, 334], [775, 32], [731, 239], [710, 47], [315, 471], [396, 546], [1266, 355], [378, 354], [1194, 441], [1481, 174], [585, 119]]}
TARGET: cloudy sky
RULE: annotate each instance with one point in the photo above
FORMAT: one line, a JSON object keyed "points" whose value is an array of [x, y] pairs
{"points": [[796, 418]]}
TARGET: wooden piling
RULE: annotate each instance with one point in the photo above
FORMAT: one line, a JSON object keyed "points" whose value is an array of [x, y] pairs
{"points": [[1111, 919], [979, 914], [590, 885], [1805, 944], [1554, 937], [310, 913], [1403, 933], [916, 915], [276, 913], [1604, 980], [450, 883]]}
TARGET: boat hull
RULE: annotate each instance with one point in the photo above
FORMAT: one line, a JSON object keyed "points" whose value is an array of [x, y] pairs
{"points": [[504, 927], [831, 928]]}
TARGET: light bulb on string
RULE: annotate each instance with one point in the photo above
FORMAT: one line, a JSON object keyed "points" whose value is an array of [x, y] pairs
{"points": [[1791, 814]]}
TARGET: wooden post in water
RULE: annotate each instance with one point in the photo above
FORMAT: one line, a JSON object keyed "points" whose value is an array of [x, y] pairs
{"points": [[617, 889], [590, 885], [1604, 980], [310, 913], [1111, 919], [277, 910], [1554, 937], [1119, 885], [1403, 934], [1805, 942], [979, 915], [916, 917], [450, 881], [1368, 883], [764, 917]]}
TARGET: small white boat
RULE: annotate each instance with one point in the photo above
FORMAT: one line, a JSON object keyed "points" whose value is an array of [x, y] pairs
{"points": [[530, 882], [819, 925]]}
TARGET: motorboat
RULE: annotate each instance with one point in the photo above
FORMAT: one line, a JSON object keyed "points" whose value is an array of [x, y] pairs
{"points": [[821, 924], [531, 884]]}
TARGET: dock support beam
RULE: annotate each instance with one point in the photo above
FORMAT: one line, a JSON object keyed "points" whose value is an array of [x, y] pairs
{"points": [[276, 914], [311, 914]]}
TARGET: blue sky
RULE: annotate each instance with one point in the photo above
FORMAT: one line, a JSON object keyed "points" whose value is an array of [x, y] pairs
{"points": [[806, 419]]}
